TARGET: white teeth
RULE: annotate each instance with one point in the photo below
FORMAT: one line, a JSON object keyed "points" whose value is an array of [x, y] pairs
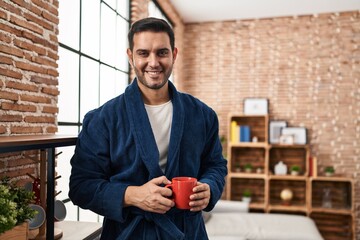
{"points": [[153, 73]]}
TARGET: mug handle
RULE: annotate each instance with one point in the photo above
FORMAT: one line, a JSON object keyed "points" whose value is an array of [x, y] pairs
{"points": [[170, 186]]}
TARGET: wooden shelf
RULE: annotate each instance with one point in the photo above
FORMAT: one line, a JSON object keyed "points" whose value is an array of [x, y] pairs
{"points": [[331, 210], [247, 175], [291, 208], [266, 187], [250, 144], [287, 177]]}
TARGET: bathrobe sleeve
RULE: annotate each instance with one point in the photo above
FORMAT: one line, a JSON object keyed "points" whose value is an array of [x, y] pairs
{"points": [[90, 186], [213, 167]]}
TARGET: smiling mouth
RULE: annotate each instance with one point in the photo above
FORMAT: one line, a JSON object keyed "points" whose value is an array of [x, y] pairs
{"points": [[153, 73]]}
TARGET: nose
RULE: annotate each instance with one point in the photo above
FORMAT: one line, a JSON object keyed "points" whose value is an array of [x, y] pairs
{"points": [[153, 60]]}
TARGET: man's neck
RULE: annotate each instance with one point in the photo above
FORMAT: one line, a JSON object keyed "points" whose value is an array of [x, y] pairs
{"points": [[155, 96]]}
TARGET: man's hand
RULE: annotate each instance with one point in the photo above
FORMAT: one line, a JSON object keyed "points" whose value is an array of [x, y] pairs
{"points": [[201, 197], [150, 197]]}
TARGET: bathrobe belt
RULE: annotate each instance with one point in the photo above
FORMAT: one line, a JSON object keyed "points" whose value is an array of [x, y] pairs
{"points": [[161, 221]]}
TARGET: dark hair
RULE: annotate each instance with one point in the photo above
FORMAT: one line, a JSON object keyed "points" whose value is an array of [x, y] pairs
{"points": [[153, 25]]}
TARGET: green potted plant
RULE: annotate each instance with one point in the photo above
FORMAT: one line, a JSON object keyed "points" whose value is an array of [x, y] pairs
{"points": [[295, 170], [248, 167], [237, 167], [329, 171], [14, 207], [246, 196]]}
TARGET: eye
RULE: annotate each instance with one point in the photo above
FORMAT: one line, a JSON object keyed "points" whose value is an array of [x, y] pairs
{"points": [[142, 53], [163, 52]]}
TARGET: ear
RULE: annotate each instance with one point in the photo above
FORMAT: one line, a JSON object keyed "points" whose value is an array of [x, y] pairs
{"points": [[130, 56], [175, 54]]}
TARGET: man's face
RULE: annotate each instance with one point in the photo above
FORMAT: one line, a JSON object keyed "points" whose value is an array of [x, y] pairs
{"points": [[152, 58]]}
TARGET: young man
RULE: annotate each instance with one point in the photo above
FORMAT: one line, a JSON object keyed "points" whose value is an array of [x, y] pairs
{"points": [[133, 145]]}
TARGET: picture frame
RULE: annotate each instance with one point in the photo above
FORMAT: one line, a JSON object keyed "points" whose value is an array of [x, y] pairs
{"points": [[286, 139], [256, 106], [275, 127], [300, 134]]}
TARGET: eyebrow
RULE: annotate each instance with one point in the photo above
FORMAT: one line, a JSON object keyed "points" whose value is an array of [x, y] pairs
{"points": [[146, 50]]}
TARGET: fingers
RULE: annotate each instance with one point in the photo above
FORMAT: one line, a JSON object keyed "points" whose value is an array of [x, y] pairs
{"points": [[160, 180], [201, 197]]}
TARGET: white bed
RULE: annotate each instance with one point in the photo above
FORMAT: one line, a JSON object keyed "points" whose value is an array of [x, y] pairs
{"points": [[231, 220]]}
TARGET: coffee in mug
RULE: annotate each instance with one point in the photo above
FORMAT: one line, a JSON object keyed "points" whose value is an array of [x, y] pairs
{"points": [[182, 188]]}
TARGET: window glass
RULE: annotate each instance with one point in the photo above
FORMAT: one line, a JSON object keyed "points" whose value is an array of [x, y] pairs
{"points": [[123, 8], [90, 28], [89, 92], [68, 86], [107, 84], [108, 35], [122, 44], [88, 216], [112, 3], [62, 168], [69, 17], [121, 82]]}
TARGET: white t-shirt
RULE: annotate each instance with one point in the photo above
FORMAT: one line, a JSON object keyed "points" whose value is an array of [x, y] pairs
{"points": [[160, 117]]}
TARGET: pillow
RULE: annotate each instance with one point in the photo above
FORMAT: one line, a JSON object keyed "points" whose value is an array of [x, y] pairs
{"points": [[206, 216]]}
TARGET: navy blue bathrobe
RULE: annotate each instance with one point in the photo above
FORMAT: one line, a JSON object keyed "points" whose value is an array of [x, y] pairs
{"points": [[116, 149]]}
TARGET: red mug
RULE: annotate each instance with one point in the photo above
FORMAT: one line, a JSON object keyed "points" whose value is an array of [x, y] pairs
{"points": [[182, 188]]}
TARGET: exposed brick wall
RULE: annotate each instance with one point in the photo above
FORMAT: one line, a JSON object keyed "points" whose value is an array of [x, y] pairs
{"points": [[28, 75], [308, 68]]}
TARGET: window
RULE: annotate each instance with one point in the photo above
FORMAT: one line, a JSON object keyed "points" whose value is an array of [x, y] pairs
{"points": [[93, 68]]}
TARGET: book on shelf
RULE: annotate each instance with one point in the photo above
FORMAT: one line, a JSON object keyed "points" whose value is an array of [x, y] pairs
{"points": [[239, 133], [244, 133]]}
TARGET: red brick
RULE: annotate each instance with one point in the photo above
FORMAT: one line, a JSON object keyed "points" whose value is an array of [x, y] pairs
{"points": [[53, 38], [5, 38], [9, 29], [2, 129], [38, 21], [10, 73], [39, 119], [22, 86], [30, 67], [44, 61], [9, 95], [19, 162], [17, 172], [51, 129], [53, 55], [10, 8], [18, 107], [50, 91], [50, 109], [47, 81], [52, 18], [3, 15], [53, 72], [29, 46], [25, 130], [10, 118], [6, 60], [56, 4], [26, 24], [11, 50], [34, 99], [22, 3], [33, 37]]}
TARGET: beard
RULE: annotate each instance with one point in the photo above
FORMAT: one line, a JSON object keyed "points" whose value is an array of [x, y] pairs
{"points": [[155, 86]]}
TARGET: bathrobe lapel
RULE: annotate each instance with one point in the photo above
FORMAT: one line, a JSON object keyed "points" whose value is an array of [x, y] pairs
{"points": [[177, 128], [141, 129], [144, 137]]}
